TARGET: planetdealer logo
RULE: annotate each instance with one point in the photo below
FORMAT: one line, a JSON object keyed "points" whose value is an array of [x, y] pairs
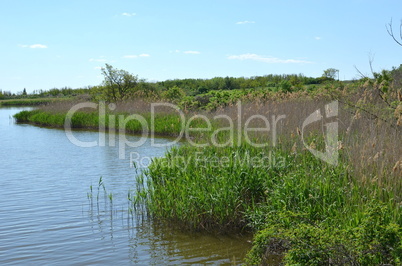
{"points": [[331, 133]]}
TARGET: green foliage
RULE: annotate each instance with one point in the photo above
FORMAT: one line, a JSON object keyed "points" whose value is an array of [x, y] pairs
{"points": [[118, 84], [330, 73], [375, 240], [383, 80], [306, 210], [203, 86], [164, 124], [209, 187], [23, 116], [275, 182], [62, 92], [285, 86], [396, 75], [148, 90], [30, 102], [215, 99], [174, 94]]}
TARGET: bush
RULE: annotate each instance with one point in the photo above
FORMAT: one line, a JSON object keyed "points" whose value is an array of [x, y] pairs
{"points": [[285, 86], [23, 116], [174, 94], [376, 240]]}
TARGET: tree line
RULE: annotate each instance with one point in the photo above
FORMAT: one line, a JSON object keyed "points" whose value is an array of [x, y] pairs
{"points": [[119, 84]]}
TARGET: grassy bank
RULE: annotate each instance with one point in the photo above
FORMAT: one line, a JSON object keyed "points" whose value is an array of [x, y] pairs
{"points": [[303, 210], [163, 122], [30, 102], [166, 125]]}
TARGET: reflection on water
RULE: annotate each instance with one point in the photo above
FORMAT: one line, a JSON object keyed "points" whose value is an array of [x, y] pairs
{"points": [[152, 242], [47, 216]]}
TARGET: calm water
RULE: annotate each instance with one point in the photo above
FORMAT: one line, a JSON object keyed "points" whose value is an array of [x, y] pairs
{"points": [[46, 216]]}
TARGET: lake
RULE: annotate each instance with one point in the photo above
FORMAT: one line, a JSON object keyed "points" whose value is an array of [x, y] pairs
{"points": [[48, 214]]}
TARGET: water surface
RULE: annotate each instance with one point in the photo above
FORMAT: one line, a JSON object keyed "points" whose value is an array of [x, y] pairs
{"points": [[47, 215]]}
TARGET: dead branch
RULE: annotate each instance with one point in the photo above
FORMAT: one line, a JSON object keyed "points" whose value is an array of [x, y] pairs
{"points": [[390, 31]]}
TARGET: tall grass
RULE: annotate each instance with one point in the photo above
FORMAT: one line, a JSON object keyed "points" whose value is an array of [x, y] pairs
{"points": [[303, 210], [291, 197], [31, 102], [165, 121], [200, 189]]}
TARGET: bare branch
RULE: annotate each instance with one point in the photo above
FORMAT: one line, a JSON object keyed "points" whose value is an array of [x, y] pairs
{"points": [[391, 32], [400, 30], [360, 73], [373, 115], [371, 60]]}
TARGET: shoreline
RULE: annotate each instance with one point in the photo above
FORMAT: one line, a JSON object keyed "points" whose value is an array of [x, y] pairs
{"points": [[291, 206], [29, 102]]}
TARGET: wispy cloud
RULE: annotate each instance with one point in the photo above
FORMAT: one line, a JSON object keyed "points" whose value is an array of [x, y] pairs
{"points": [[136, 56], [191, 52], [97, 60], [267, 59], [245, 22], [185, 52], [33, 46], [317, 38], [128, 14], [130, 56]]}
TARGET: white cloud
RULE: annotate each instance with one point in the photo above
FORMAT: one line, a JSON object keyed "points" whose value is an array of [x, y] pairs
{"points": [[184, 52], [40, 46], [266, 59], [191, 52], [97, 60], [175, 51], [128, 14], [245, 22], [317, 38], [136, 56], [130, 56], [98, 68], [33, 46]]}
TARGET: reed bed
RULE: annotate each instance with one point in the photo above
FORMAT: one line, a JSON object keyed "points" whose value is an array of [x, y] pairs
{"points": [[303, 210], [31, 102]]}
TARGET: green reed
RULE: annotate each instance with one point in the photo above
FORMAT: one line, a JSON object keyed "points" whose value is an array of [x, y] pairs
{"points": [[244, 187], [31, 102], [160, 124], [307, 211]]}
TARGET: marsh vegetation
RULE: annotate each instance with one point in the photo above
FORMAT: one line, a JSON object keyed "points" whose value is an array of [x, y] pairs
{"points": [[301, 209]]}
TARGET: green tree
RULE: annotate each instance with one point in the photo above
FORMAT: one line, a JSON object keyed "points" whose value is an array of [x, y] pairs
{"points": [[147, 89], [285, 86], [118, 84], [330, 73], [174, 93]]}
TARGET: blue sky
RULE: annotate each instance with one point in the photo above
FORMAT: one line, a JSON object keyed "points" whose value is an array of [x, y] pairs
{"points": [[57, 43]]}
